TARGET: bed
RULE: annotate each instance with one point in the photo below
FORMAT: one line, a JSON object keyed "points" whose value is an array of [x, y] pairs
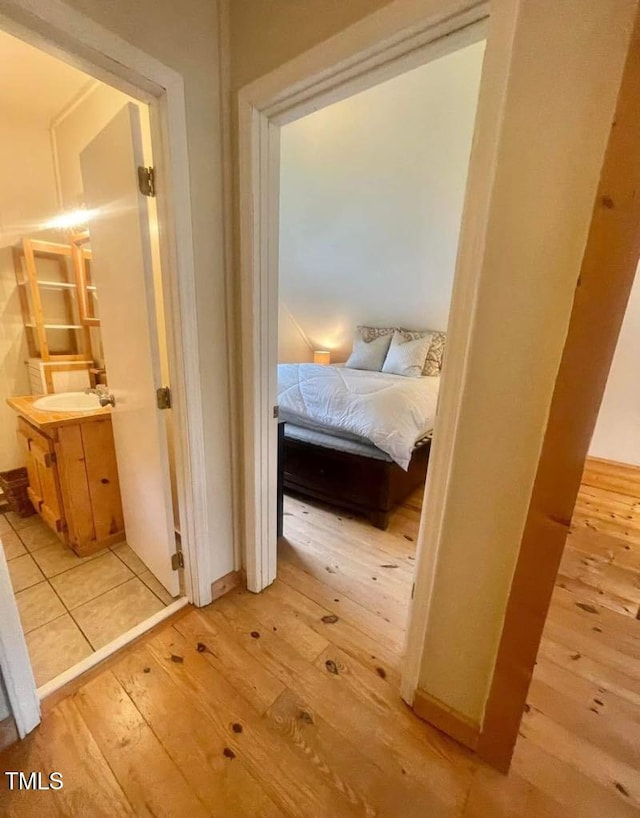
{"points": [[358, 440]]}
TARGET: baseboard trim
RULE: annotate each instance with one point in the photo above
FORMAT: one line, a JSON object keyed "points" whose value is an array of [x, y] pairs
{"points": [[8, 732], [446, 719], [616, 463], [225, 584]]}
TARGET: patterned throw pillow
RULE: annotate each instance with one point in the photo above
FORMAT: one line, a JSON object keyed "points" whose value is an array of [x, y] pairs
{"points": [[406, 357], [369, 334], [433, 363], [435, 355]]}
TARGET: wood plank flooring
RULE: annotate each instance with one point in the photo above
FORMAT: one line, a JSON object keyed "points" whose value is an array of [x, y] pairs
{"points": [[286, 703]]}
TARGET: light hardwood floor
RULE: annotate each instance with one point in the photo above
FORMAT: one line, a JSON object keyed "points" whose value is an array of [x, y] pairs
{"points": [[286, 704]]}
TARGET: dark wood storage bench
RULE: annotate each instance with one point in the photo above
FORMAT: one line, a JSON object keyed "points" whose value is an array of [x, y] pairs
{"points": [[367, 485]]}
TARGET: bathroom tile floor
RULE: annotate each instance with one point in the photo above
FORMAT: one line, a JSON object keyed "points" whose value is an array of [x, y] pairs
{"points": [[70, 606]]}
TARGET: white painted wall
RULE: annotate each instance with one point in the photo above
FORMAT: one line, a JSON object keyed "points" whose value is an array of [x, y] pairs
{"points": [[617, 432], [372, 190], [27, 200]]}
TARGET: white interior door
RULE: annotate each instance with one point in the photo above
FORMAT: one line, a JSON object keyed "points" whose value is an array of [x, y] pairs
{"points": [[123, 274]]}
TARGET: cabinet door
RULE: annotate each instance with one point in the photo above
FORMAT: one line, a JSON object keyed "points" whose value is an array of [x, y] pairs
{"points": [[34, 490], [50, 505], [72, 474]]}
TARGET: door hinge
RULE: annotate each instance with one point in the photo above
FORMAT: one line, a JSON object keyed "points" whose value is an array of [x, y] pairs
{"points": [[276, 411], [177, 560], [147, 180], [163, 397]]}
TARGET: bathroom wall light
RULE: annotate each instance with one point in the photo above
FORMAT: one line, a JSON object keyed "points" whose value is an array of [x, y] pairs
{"points": [[321, 356], [72, 219]]}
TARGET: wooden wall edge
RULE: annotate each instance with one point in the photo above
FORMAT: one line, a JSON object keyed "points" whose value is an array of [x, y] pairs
{"points": [[602, 292], [446, 719]]}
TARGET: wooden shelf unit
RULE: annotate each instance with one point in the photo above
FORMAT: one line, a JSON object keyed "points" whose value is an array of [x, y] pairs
{"points": [[87, 294], [74, 312]]}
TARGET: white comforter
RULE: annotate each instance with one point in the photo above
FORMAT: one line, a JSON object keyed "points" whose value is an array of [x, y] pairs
{"points": [[391, 411]]}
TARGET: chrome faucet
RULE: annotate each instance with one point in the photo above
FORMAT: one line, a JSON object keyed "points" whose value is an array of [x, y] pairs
{"points": [[104, 396]]}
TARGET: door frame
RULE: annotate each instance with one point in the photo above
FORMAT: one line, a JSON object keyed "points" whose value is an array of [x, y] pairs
{"points": [[378, 48], [78, 40]]}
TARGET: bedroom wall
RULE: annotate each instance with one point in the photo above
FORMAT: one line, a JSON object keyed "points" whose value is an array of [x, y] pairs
{"points": [[371, 199], [617, 433], [27, 199]]}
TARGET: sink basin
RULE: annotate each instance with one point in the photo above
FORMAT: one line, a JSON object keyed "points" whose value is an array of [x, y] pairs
{"points": [[68, 402]]}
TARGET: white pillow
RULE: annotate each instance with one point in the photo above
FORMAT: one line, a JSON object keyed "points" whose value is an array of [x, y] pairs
{"points": [[407, 357], [369, 355]]}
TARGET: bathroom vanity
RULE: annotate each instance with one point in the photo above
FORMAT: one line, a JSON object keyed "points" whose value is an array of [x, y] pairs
{"points": [[73, 477]]}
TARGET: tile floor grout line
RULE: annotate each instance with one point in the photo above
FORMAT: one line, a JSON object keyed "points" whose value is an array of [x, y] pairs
{"points": [[138, 576], [70, 612], [102, 593], [17, 530], [123, 562], [79, 627], [44, 625], [85, 560], [165, 604], [58, 595], [119, 585], [49, 620]]}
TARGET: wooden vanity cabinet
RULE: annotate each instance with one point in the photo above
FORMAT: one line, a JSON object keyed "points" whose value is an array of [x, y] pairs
{"points": [[43, 490], [73, 482]]}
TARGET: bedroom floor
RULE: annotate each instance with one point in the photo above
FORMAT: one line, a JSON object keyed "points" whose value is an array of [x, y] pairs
{"points": [[580, 739], [286, 703]]}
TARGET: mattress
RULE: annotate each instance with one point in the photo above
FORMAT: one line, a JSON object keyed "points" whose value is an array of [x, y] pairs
{"points": [[329, 441], [390, 412]]}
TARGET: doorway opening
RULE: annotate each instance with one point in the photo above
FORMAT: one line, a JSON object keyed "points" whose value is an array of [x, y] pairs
{"points": [[370, 201], [90, 518]]}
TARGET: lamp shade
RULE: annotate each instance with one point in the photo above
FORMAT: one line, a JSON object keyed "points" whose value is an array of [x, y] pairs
{"points": [[321, 356]]}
